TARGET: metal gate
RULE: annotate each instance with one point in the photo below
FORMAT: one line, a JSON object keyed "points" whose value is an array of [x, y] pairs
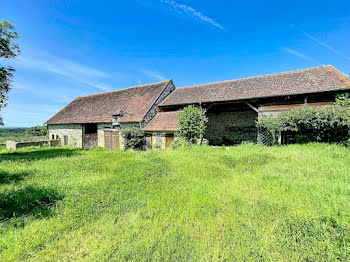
{"points": [[111, 138]]}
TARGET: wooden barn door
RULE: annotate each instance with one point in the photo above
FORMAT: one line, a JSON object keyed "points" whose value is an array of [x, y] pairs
{"points": [[108, 139], [168, 139], [111, 139], [90, 136], [115, 140]]}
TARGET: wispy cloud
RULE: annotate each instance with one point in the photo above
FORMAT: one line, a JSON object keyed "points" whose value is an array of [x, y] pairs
{"points": [[70, 69], [152, 74], [325, 45], [330, 48], [299, 54], [192, 12]]}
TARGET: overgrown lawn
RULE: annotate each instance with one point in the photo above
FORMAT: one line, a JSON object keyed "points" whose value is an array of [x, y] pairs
{"points": [[244, 203]]}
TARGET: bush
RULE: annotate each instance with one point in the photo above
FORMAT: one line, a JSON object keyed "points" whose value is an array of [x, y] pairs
{"points": [[134, 138], [192, 123], [342, 99], [180, 142], [311, 124]]}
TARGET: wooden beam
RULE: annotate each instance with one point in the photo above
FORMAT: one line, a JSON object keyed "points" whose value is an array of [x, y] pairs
{"points": [[252, 107]]}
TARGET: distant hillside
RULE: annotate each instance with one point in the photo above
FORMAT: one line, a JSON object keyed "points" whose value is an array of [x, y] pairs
{"points": [[13, 130]]}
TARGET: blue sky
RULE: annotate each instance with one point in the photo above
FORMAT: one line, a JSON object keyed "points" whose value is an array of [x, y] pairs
{"points": [[72, 48]]}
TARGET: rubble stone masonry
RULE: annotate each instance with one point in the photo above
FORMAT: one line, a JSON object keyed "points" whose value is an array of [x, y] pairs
{"points": [[230, 128]]}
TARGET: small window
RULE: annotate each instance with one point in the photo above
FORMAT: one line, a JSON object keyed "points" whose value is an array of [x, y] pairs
{"points": [[57, 137], [53, 137], [65, 140]]}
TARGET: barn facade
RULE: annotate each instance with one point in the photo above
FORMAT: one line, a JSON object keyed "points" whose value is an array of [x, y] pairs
{"points": [[96, 120], [232, 108]]}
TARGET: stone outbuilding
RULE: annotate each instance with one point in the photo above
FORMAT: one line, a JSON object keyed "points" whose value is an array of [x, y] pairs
{"points": [[96, 120], [232, 108]]}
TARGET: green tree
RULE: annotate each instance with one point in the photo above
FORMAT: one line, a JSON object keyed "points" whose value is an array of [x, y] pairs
{"points": [[8, 49], [192, 122], [36, 131]]}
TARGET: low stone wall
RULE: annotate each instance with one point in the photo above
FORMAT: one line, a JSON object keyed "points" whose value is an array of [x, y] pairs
{"points": [[20, 144]]}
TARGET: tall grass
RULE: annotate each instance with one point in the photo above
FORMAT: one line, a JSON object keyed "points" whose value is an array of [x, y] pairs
{"points": [[245, 203]]}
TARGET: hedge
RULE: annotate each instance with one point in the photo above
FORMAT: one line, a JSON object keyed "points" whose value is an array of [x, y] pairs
{"points": [[311, 124]]}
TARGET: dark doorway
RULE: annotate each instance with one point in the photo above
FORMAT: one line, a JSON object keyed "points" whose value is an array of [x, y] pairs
{"points": [[90, 136]]}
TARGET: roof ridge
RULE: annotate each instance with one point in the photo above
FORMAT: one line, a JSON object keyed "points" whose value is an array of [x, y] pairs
{"points": [[120, 90], [262, 76]]}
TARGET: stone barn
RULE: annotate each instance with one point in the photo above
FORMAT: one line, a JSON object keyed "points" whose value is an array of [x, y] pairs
{"points": [[232, 107], [95, 120]]}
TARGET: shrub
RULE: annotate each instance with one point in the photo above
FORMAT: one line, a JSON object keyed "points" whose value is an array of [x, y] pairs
{"points": [[342, 99], [192, 123], [311, 124], [134, 138], [180, 142]]}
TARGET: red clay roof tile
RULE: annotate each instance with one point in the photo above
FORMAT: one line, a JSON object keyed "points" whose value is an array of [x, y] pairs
{"points": [[133, 102], [317, 79], [163, 121]]}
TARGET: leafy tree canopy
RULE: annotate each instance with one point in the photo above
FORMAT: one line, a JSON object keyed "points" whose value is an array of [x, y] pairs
{"points": [[36, 131], [192, 123], [8, 49]]}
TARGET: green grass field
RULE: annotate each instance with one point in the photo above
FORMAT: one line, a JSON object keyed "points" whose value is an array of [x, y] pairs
{"points": [[244, 203], [20, 137]]}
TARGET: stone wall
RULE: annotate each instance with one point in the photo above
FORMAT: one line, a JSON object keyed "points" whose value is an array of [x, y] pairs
{"points": [[73, 131], [229, 128], [158, 140], [20, 144]]}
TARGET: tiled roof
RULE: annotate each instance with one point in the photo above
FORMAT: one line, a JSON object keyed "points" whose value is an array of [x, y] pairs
{"points": [[317, 79], [132, 103], [163, 121]]}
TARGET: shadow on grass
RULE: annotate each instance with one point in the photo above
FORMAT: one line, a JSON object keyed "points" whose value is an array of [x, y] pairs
{"points": [[7, 177], [28, 201], [37, 154]]}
